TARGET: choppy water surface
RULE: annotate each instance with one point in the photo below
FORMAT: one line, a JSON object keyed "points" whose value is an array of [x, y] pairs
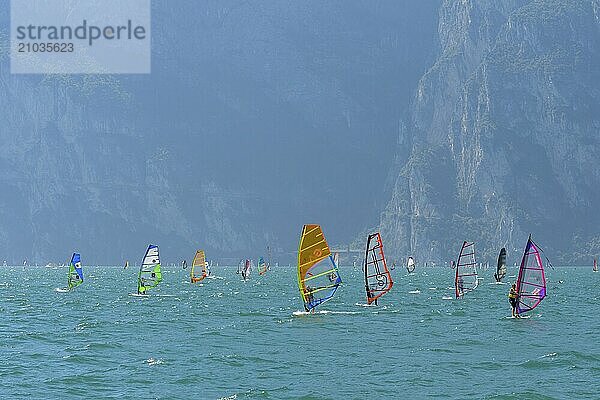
{"points": [[227, 338]]}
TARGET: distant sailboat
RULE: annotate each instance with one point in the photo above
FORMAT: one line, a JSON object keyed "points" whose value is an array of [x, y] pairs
{"points": [[150, 274], [595, 269], [198, 271], [466, 270], [126, 264], [246, 270], [501, 268], [184, 264], [262, 266], [75, 276], [410, 265], [378, 280], [531, 283], [336, 259], [318, 275]]}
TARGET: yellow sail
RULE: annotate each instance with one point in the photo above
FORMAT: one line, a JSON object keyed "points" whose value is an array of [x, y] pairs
{"points": [[198, 271], [318, 276]]}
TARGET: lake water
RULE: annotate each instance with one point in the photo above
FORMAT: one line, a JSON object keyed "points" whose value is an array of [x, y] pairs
{"points": [[230, 339]]}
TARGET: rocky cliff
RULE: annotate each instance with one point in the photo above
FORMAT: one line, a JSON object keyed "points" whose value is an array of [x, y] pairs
{"points": [[258, 117], [503, 135]]}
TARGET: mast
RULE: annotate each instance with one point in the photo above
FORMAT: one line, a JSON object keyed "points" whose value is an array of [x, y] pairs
{"points": [[378, 280]]}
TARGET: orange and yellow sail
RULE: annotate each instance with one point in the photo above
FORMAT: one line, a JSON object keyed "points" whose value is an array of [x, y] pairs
{"points": [[198, 271], [318, 275]]}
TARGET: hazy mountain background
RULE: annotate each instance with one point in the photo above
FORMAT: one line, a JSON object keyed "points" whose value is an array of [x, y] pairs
{"points": [[436, 121], [503, 135]]}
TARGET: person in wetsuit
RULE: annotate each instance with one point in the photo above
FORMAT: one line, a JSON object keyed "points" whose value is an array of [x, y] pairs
{"points": [[308, 293], [513, 297]]}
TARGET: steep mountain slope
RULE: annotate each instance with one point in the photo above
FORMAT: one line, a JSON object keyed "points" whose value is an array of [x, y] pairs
{"points": [[257, 117], [503, 135]]}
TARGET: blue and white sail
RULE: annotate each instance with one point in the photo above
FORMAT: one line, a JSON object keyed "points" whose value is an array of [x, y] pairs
{"points": [[75, 277]]}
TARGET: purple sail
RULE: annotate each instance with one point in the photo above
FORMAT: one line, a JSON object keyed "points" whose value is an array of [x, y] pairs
{"points": [[531, 284]]}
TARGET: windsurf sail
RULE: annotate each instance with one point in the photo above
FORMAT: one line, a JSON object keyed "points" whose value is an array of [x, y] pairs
{"points": [[378, 280], [198, 271], [150, 274], [595, 269], [262, 266], [501, 268], [318, 274], [75, 277], [184, 264], [410, 265], [126, 264], [531, 283], [247, 269], [336, 259], [466, 270]]}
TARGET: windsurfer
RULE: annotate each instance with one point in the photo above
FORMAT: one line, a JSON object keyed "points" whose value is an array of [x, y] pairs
{"points": [[308, 293], [371, 294], [461, 286], [512, 298]]}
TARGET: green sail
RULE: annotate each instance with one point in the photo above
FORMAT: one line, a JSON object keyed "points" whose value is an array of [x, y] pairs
{"points": [[150, 274], [75, 276]]}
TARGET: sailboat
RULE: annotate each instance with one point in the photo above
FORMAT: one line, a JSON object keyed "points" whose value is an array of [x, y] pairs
{"points": [[150, 274], [595, 269], [410, 265], [501, 268], [336, 259], [531, 283], [246, 270], [378, 280], [75, 275], [198, 271], [262, 266], [318, 275], [466, 270], [126, 264]]}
